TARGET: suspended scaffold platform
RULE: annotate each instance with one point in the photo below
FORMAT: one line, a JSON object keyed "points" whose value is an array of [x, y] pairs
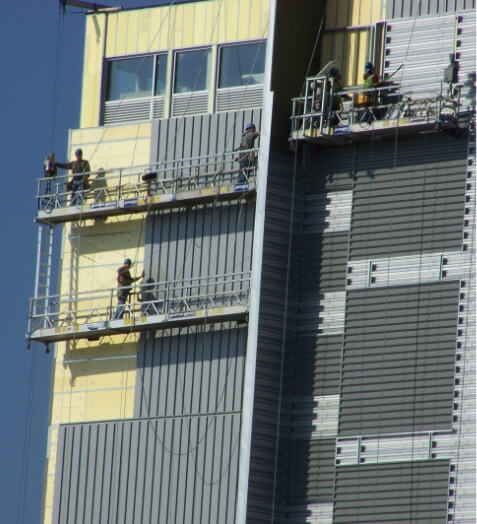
{"points": [[327, 117], [142, 188], [150, 306]]}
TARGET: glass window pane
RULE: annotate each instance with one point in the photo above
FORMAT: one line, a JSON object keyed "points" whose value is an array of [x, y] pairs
{"points": [[161, 75], [192, 71], [130, 78], [242, 65]]}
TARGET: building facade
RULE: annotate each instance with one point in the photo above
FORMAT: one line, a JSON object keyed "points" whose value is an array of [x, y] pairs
{"points": [[302, 347]]}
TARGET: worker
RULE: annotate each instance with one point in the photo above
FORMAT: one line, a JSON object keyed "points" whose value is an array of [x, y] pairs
{"points": [[150, 305], [248, 159], [337, 84], [370, 96], [370, 77], [49, 171], [79, 182], [124, 280]]}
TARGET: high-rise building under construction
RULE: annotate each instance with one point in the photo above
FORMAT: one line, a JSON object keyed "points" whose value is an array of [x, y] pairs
{"points": [[301, 348]]}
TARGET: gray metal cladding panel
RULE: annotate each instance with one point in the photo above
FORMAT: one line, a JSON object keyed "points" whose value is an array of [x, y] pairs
{"points": [[399, 359], [276, 320], [311, 471], [418, 8], [200, 135], [407, 492], [201, 240], [415, 207], [178, 470], [330, 169], [191, 370], [318, 364], [324, 262]]}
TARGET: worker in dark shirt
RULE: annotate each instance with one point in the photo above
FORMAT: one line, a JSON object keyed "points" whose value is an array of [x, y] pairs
{"points": [[124, 280], [79, 182], [248, 159]]}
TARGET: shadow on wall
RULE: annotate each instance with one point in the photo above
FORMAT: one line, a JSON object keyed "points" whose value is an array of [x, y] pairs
{"points": [[100, 359]]}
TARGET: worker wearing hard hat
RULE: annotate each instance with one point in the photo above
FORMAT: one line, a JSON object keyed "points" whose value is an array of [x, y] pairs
{"points": [[247, 159], [124, 280], [79, 182], [371, 79]]}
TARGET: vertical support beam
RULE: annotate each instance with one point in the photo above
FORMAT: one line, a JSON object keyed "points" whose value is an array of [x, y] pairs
{"points": [[255, 282]]}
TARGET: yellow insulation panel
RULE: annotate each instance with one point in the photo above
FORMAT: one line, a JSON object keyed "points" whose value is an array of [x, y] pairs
{"points": [[349, 44], [186, 25], [92, 69]]}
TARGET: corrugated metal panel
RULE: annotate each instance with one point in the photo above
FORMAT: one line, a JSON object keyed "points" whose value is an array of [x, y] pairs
{"points": [[334, 171], [315, 417], [327, 213], [268, 392], [201, 135], [311, 471], [317, 361], [156, 470], [310, 514], [409, 198], [407, 42], [414, 269], [191, 371], [323, 263], [407, 8], [238, 98], [407, 492], [380, 450], [399, 359], [324, 313], [466, 45]]}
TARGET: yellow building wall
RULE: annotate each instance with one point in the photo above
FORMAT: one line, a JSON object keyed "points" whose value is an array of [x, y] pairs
{"points": [[164, 28], [350, 47], [95, 380]]}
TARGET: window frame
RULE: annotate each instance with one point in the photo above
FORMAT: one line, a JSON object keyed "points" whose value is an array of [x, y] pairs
{"points": [[176, 52], [262, 41]]}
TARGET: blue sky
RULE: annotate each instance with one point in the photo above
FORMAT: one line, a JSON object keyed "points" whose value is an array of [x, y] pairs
{"points": [[34, 121]]}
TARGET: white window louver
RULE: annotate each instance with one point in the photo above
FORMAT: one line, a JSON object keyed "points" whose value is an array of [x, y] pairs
{"points": [[239, 98], [190, 103], [120, 111]]}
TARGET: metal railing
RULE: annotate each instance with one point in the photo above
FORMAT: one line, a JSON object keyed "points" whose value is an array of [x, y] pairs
{"points": [[325, 111], [145, 299], [128, 183]]}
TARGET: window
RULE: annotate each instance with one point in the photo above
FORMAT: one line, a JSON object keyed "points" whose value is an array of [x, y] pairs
{"points": [[133, 77], [161, 75], [192, 71], [242, 65], [130, 78]]}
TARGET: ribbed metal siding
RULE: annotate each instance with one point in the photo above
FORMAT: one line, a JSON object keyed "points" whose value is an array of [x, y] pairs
{"points": [[403, 492], [191, 136], [466, 45], [191, 371], [414, 206], [399, 359], [157, 470], [318, 363], [408, 42], [270, 338], [210, 239], [324, 262], [407, 8], [312, 466]]}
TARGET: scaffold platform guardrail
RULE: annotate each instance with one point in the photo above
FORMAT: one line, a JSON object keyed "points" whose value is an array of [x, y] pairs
{"points": [[140, 188], [329, 117], [150, 306]]}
